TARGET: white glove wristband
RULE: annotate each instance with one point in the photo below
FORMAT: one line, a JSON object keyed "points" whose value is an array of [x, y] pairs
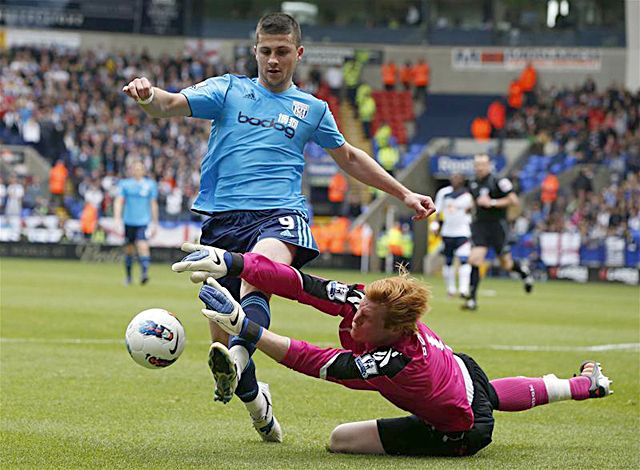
{"points": [[148, 100]]}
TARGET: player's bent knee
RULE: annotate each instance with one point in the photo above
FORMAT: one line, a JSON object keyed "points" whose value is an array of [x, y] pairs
{"points": [[355, 438], [339, 439]]}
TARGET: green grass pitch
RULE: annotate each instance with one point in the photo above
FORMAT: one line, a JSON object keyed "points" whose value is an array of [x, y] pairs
{"points": [[72, 397]]}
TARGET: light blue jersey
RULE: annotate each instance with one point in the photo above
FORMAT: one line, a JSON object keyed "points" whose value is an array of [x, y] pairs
{"points": [[137, 200], [255, 160]]}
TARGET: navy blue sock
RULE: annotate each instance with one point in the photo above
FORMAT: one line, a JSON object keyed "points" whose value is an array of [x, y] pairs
{"points": [[144, 264], [247, 389], [128, 263], [256, 307]]}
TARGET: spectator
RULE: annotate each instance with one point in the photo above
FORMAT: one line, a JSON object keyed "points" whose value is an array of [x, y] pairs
{"points": [[389, 75], [337, 192], [496, 113], [421, 79], [33, 192], [15, 194], [549, 192], [352, 69], [583, 184], [528, 80], [57, 183], [366, 112], [481, 128], [406, 75], [89, 220], [334, 78], [93, 195], [388, 157], [383, 135], [515, 98], [174, 204], [31, 129]]}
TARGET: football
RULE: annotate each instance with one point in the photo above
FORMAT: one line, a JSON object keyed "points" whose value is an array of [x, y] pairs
{"points": [[155, 338]]}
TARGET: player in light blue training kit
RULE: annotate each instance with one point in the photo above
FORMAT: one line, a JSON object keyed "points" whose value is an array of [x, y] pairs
{"points": [[250, 184], [135, 208]]}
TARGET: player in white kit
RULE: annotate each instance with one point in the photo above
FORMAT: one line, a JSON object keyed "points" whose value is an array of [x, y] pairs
{"points": [[453, 204]]}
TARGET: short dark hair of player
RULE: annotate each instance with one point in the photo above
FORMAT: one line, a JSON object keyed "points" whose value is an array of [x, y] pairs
{"points": [[279, 23]]}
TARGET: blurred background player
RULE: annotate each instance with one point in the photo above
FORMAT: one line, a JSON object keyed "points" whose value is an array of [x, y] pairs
{"points": [[386, 348], [453, 205], [136, 208], [250, 186], [490, 228]]}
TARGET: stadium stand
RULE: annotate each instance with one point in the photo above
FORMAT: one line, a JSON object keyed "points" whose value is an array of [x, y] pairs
{"points": [[96, 133]]}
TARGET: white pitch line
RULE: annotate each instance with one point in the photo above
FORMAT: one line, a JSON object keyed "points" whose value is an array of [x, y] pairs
{"points": [[632, 347], [596, 348]]}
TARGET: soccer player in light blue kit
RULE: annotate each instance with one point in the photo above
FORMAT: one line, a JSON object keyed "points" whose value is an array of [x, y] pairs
{"points": [[250, 185], [136, 206]]}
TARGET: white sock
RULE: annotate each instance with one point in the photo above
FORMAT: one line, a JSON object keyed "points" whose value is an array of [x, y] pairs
{"points": [[557, 389], [449, 275], [464, 274], [241, 357], [257, 407]]}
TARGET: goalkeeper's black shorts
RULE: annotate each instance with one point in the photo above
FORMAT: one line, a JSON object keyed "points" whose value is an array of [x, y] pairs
{"points": [[412, 436]]}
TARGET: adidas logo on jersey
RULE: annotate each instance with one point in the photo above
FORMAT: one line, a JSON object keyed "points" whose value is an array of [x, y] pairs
{"points": [[250, 96], [286, 233]]}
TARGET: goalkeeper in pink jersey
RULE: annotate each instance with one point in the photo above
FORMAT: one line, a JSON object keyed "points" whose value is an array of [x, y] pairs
{"points": [[386, 348]]}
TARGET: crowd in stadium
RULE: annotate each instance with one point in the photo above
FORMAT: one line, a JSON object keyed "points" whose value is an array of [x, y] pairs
{"points": [[595, 130], [615, 211], [68, 104], [594, 126]]}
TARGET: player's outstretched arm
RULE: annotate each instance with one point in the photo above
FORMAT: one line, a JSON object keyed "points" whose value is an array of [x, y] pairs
{"points": [[360, 165], [155, 101]]}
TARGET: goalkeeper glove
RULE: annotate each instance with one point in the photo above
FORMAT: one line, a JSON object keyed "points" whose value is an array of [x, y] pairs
{"points": [[224, 310], [204, 261]]}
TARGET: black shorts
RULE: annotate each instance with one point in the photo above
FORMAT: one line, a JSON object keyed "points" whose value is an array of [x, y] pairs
{"points": [[492, 235], [412, 436], [239, 231], [451, 245], [134, 233]]}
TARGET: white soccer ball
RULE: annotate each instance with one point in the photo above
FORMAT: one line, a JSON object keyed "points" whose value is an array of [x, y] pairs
{"points": [[155, 338]]}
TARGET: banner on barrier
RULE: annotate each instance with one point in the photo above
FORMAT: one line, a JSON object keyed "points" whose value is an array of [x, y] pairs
{"points": [[508, 59], [444, 166]]}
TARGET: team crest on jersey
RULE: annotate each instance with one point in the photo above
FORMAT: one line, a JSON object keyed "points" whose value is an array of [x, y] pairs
{"points": [[367, 366], [300, 109], [337, 291]]}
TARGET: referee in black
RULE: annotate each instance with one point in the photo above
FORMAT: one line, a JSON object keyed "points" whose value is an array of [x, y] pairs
{"points": [[490, 227]]}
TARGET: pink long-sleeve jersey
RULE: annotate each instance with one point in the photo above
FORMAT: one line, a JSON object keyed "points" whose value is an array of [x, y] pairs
{"points": [[419, 373]]}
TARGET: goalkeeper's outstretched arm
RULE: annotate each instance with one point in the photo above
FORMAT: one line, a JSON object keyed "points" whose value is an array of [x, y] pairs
{"points": [[332, 297], [337, 365]]}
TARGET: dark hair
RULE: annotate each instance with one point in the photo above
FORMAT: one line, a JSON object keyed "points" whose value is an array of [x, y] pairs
{"points": [[279, 23]]}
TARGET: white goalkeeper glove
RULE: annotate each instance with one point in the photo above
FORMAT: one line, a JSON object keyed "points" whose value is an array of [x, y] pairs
{"points": [[204, 261]]}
